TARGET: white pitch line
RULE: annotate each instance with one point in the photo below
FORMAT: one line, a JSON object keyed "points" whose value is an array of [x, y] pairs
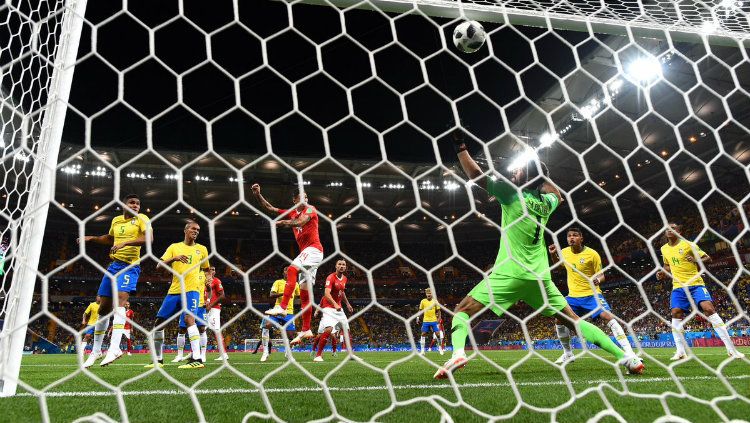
{"points": [[492, 358], [63, 394]]}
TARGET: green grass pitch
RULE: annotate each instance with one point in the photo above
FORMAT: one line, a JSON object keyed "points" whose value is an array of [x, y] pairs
{"points": [[358, 393]]}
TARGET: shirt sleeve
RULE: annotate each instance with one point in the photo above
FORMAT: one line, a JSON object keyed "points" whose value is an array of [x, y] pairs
{"points": [[143, 222], [168, 254], [551, 200], [421, 305], [697, 249], [282, 211], [502, 190], [112, 228], [597, 259], [88, 310], [274, 287], [205, 265], [296, 291]]}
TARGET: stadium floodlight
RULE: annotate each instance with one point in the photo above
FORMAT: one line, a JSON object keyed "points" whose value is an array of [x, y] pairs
{"points": [[524, 158], [546, 139], [709, 26], [645, 69]]}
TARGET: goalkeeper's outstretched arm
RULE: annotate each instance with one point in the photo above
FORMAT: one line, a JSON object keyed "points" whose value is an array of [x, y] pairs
{"points": [[468, 165]]}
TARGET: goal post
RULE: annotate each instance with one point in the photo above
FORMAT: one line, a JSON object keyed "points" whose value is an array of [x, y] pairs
{"points": [[679, 22], [30, 224]]}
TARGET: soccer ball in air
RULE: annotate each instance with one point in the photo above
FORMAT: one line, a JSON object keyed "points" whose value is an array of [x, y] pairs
{"points": [[469, 36]]}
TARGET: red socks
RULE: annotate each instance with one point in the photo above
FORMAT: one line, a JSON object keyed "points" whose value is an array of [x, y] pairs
{"points": [[334, 342], [130, 345], [322, 342], [291, 283], [304, 297]]}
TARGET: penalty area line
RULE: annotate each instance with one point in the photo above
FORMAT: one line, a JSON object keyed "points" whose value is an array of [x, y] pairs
{"points": [[66, 394]]}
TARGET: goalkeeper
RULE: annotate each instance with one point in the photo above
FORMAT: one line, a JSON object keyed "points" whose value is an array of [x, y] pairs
{"points": [[521, 269]]}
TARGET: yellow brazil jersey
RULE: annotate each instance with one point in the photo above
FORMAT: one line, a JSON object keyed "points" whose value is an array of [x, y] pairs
{"points": [[93, 311], [127, 229], [684, 273], [430, 307], [278, 287], [589, 263], [202, 285], [197, 256]]}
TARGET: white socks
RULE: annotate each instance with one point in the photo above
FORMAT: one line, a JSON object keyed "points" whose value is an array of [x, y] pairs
{"points": [[721, 329], [619, 334], [679, 340], [159, 343], [563, 333], [440, 342], [421, 343], [82, 347], [264, 338], [118, 328], [204, 344], [194, 336], [100, 329], [180, 344]]}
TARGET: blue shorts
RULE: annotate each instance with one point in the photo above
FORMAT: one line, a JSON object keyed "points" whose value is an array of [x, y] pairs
{"points": [[584, 305], [680, 300], [125, 282], [172, 304], [89, 331], [202, 317], [281, 321], [426, 326]]}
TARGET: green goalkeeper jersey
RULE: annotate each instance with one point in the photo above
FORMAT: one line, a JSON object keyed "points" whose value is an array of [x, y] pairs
{"points": [[523, 253]]}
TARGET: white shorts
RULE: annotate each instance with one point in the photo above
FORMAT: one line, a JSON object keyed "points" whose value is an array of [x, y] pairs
{"points": [[214, 319], [333, 319], [309, 259], [126, 333]]}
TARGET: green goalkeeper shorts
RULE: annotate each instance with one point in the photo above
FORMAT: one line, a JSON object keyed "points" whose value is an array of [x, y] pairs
{"points": [[500, 293]]}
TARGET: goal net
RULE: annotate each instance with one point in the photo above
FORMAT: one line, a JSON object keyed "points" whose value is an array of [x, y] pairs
{"points": [[640, 110]]}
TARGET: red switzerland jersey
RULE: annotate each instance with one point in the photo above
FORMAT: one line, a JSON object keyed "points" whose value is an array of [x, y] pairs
{"points": [[215, 288], [129, 315], [337, 290], [306, 236]]}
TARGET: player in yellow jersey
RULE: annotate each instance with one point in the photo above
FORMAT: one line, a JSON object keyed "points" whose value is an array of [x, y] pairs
{"points": [[186, 260], [127, 233], [90, 317], [430, 316], [681, 259], [201, 322], [584, 268], [287, 322]]}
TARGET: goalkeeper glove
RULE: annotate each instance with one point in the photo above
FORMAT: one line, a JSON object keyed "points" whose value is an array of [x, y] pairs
{"points": [[458, 141]]}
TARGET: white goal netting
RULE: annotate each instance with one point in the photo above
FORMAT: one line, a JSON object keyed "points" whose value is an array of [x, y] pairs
{"points": [[640, 109]]}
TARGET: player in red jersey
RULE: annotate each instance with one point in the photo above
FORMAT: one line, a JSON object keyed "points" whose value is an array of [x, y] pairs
{"points": [[333, 319], [304, 223], [439, 335], [215, 295], [129, 315]]}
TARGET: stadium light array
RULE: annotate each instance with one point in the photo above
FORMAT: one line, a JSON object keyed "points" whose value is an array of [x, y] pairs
{"points": [[136, 175], [523, 159], [21, 157], [201, 178], [335, 184], [172, 176], [233, 179], [74, 169], [645, 69]]}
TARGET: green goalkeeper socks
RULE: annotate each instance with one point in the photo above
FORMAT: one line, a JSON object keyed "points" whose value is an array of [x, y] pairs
{"points": [[595, 335], [459, 332]]}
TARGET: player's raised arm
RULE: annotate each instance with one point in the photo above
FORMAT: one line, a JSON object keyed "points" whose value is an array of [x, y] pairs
{"points": [[263, 203], [468, 165], [598, 277], [553, 253], [106, 239], [548, 188], [298, 221]]}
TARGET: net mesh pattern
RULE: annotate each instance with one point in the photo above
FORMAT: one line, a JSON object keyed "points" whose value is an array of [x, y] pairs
{"points": [[599, 173]]}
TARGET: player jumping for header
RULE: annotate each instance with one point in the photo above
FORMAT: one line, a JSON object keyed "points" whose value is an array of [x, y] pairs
{"points": [[521, 270], [126, 235], [304, 223]]}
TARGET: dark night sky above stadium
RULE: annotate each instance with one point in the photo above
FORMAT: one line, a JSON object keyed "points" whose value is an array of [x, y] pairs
{"points": [[151, 89]]}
